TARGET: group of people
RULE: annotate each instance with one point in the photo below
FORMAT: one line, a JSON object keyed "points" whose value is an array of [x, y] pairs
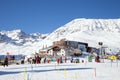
{"points": [[37, 60], [61, 60]]}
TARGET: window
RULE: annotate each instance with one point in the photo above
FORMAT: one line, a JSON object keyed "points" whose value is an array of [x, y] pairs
{"points": [[82, 47]]}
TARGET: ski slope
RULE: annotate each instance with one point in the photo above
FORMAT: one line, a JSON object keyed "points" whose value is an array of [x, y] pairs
{"points": [[64, 71]]}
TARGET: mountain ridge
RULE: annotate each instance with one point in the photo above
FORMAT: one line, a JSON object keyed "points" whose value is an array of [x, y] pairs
{"points": [[90, 31], [83, 24]]}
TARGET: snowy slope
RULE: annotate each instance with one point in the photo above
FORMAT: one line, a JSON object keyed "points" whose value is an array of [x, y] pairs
{"points": [[91, 31], [65, 71]]}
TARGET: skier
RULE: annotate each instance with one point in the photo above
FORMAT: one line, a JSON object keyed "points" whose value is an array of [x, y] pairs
{"points": [[5, 61]]}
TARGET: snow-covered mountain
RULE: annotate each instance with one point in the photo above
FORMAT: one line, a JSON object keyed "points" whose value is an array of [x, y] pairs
{"points": [[18, 42], [90, 31], [19, 37]]}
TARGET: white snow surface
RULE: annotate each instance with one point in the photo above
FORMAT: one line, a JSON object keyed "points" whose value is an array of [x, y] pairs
{"points": [[90, 31], [64, 71]]}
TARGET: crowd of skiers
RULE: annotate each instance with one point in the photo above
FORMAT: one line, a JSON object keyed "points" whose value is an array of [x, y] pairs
{"points": [[38, 60]]}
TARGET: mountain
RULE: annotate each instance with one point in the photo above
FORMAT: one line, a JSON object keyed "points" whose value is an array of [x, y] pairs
{"points": [[19, 37], [18, 42], [90, 31]]}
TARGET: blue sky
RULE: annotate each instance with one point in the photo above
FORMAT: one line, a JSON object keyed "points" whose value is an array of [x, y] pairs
{"points": [[44, 16]]}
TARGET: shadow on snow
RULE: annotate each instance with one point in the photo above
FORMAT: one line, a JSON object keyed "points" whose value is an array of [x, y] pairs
{"points": [[61, 69], [8, 72], [37, 71]]}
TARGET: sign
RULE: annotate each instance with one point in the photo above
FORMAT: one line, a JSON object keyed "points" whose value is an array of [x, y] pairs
{"points": [[112, 57]]}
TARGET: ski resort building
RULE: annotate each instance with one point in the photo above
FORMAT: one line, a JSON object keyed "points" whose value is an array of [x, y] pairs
{"points": [[65, 48]]}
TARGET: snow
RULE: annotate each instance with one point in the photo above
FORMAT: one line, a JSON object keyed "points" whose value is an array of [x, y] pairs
{"points": [[90, 31], [64, 71]]}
